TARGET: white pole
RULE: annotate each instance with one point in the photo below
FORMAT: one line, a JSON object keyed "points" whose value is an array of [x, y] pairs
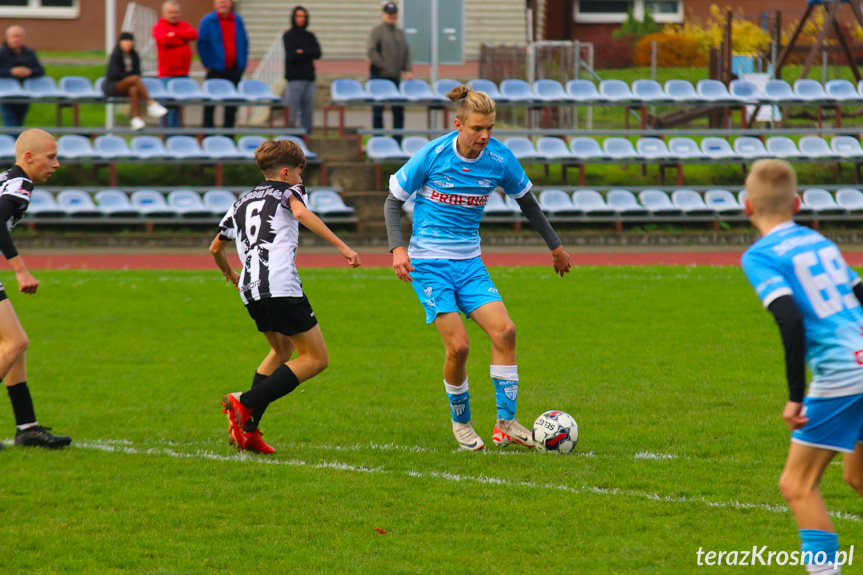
{"points": [[434, 44], [110, 41]]}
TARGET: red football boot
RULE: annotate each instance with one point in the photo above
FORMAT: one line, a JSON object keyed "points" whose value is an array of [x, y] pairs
{"points": [[238, 415], [255, 443]]}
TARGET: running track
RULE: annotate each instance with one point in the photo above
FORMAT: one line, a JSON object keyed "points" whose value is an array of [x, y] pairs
{"points": [[384, 260]]}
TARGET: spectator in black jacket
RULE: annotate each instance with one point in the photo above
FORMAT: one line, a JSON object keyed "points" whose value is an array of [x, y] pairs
{"points": [[123, 78], [17, 61], [301, 51]]}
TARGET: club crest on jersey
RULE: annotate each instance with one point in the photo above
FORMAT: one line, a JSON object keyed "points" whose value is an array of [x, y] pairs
{"points": [[511, 391], [485, 184]]}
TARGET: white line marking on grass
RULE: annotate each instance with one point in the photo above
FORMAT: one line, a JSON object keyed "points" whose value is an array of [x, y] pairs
{"points": [[648, 455], [123, 446]]}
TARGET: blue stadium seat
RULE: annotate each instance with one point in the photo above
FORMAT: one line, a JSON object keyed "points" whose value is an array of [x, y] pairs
{"points": [[11, 88], [619, 149], [7, 147], [779, 91], [42, 87], [444, 86], [384, 149], [722, 202], [584, 148], [750, 148], [616, 91], [116, 204], [79, 88], [657, 203], [221, 90], [583, 91], [151, 203], [551, 91], [816, 147], [846, 147], [149, 148], [842, 91], [112, 148], [652, 149], [557, 203], [811, 91], [329, 203], [850, 199], [552, 148], [684, 149], [382, 90], [417, 90], [155, 87], [624, 203], [691, 203], [522, 148], [43, 204], [220, 148], [248, 145], [713, 91], [821, 202], [257, 91], [310, 155], [74, 147], [783, 147], [591, 203], [650, 92], [496, 206], [185, 148], [78, 203], [718, 149], [188, 204], [681, 91], [345, 90], [745, 91], [517, 91], [183, 89], [413, 144], [219, 201], [490, 88]]}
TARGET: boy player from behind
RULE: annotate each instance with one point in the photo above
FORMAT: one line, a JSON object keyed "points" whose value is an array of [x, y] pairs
{"points": [[265, 225], [815, 298]]}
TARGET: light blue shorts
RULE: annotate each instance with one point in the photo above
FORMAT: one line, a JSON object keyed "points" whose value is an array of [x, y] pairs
{"points": [[835, 423], [445, 286]]}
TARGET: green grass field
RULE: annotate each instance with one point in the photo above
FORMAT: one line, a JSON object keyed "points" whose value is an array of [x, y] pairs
{"points": [[674, 374]]}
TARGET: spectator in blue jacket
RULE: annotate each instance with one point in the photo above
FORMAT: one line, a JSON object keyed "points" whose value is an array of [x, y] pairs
{"points": [[224, 49], [17, 61]]}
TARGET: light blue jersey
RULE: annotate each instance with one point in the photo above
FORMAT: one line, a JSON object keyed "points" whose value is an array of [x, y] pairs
{"points": [[797, 261], [451, 194]]}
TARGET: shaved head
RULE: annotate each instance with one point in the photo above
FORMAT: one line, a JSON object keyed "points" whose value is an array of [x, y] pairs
{"points": [[15, 36], [36, 154]]}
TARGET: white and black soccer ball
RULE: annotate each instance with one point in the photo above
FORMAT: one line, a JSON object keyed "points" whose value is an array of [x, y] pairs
{"points": [[555, 431]]}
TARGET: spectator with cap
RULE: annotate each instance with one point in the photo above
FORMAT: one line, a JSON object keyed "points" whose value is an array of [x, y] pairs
{"points": [[391, 60], [17, 61], [301, 51], [224, 49], [172, 37], [123, 78]]}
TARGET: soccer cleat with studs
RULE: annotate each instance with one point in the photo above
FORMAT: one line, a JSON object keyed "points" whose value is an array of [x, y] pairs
{"points": [[238, 415], [40, 436], [510, 431], [466, 436], [255, 443]]}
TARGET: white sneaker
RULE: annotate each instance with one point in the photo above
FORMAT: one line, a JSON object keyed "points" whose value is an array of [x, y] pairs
{"points": [[156, 110], [138, 123], [508, 431], [466, 436]]}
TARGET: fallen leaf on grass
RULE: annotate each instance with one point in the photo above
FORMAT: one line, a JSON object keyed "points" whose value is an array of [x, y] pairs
{"points": [[381, 531]]}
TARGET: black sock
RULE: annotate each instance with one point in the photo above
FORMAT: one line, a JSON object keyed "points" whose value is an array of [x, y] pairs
{"points": [[281, 383], [258, 412], [22, 403]]}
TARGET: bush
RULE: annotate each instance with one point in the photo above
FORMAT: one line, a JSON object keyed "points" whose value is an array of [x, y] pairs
{"points": [[612, 53], [747, 37], [672, 51]]}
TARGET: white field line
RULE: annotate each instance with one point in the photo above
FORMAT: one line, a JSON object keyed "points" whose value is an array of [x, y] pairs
{"points": [[122, 446]]}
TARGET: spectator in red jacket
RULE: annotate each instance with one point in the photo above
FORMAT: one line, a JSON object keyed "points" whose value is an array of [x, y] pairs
{"points": [[172, 37]]}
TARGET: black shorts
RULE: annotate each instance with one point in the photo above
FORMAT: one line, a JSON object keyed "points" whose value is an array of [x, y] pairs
{"points": [[285, 315]]}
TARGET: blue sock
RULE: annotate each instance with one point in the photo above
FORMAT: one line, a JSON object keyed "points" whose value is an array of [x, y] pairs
{"points": [[459, 401], [505, 379], [819, 547]]}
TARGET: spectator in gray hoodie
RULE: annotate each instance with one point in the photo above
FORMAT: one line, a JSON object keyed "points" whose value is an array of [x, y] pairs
{"points": [[390, 59]]}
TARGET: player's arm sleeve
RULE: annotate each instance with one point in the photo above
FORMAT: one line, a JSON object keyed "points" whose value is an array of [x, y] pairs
{"points": [[8, 206], [531, 210], [790, 322], [228, 227], [410, 177], [393, 217]]}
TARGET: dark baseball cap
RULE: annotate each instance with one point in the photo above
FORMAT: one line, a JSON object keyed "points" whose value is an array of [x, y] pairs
{"points": [[390, 8]]}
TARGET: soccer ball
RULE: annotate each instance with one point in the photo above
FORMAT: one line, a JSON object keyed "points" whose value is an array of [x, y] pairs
{"points": [[555, 431]]}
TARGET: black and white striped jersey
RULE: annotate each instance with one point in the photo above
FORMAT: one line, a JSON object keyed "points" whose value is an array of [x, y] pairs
{"points": [[266, 232], [16, 187]]}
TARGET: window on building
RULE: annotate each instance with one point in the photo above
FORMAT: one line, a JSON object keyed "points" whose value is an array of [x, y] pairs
{"points": [[613, 11], [39, 8]]}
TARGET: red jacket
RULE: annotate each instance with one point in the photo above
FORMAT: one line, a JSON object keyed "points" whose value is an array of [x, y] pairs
{"points": [[175, 55]]}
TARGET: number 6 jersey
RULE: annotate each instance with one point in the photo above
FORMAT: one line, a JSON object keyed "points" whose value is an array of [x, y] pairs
{"points": [[266, 232], [797, 261]]}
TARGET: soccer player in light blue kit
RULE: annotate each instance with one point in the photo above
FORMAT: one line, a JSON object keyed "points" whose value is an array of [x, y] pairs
{"points": [[815, 298], [452, 177]]}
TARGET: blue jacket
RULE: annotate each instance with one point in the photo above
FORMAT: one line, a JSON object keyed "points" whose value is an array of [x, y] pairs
{"points": [[211, 48]]}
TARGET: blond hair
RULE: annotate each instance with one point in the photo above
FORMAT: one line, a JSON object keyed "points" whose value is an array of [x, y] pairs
{"points": [[471, 102], [771, 188], [274, 155]]}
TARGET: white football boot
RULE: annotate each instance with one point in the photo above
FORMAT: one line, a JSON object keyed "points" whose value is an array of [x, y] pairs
{"points": [[510, 431], [466, 436]]}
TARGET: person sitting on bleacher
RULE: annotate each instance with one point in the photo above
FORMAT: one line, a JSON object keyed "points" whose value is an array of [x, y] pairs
{"points": [[123, 78], [17, 61]]}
